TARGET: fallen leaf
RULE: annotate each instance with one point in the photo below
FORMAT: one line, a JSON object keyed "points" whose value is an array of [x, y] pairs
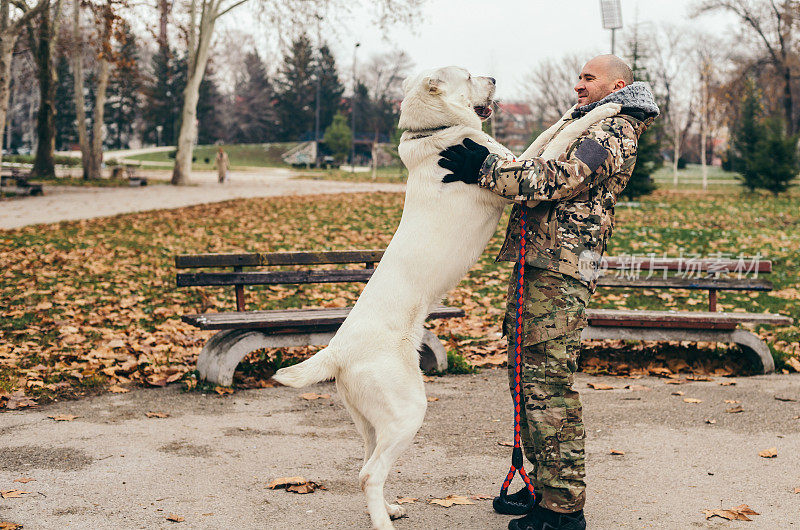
{"points": [[797, 490], [734, 410], [732, 401], [711, 422], [678, 393], [785, 398], [116, 389], [772, 452], [312, 396], [307, 487], [505, 444], [175, 518], [727, 383], [730, 515], [480, 497], [222, 390], [407, 500], [674, 382], [617, 452], [431, 399], [600, 386], [13, 494], [24, 480], [794, 363], [5, 525], [450, 500], [63, 417], [698, 378], [428, 379], [152, 414], [692, 400], [638, 387], [286, 481]]}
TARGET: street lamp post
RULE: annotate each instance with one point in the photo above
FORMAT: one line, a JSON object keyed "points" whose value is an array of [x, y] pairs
{"points": [[319, 89], [353, 113], [611, 11]]}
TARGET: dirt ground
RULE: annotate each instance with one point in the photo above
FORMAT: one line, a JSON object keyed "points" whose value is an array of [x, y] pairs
{"points": [[210, 460]]}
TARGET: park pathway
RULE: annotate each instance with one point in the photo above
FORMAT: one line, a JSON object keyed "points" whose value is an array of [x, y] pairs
{"points": [[70, 203]]}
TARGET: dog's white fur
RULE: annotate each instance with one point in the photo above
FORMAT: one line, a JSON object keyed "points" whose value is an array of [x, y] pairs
{"points": [[443, 230]]}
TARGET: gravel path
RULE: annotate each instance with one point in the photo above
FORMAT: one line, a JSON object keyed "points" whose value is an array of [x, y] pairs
{"points": [[210, 460], [69, 203]]}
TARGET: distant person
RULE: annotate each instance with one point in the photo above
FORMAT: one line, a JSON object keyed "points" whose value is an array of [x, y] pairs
{"points": [[222, 166]]}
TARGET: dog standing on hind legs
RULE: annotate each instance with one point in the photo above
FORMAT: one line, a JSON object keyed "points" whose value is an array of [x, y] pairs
{"points": [[442, 233]]}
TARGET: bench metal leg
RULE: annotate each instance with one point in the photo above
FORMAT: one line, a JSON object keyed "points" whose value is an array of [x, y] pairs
{"points": [[225, 350], [751, 344]]}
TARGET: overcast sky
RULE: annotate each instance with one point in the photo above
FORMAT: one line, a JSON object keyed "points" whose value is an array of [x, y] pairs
{"points": [[505, 38]]}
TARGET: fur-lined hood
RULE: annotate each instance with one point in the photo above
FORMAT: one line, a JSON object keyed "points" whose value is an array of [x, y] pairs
{"points": [[636, 100]]}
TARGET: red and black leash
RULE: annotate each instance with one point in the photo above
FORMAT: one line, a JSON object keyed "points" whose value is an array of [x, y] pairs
{"points": [[516, 454]]}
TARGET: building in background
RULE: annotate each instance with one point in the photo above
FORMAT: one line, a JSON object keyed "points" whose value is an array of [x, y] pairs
{"points": [[513, 125]]}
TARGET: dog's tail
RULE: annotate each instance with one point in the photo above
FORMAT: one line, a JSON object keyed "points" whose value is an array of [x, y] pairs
{"points": [[320, 367]]}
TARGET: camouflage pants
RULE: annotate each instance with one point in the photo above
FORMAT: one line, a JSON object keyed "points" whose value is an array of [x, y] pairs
{"points": [[551, 416]]}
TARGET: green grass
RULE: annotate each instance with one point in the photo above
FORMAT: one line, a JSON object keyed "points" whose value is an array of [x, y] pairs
{"points": [[240, 155], [396, 175]]}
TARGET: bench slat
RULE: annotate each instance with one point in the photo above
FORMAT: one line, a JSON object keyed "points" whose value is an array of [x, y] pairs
{"points": [[185, 261], [679, 319], [721, 284], [281, 320], [273, 277], [363, 275]]}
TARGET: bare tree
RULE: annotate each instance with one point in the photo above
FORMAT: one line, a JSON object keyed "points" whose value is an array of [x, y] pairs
{"points": [[773, 25], [202, 19], [14, 16], [549, 86], [77, 80], [43, 43], [673, 79]]}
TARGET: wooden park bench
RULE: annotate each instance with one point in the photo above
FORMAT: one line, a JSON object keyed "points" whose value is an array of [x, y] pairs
{"points": [[21, 184], [711, 274], [242, 331]]}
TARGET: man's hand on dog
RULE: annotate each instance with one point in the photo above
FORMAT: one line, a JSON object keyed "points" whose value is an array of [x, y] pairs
{"points": [[464, 160]]}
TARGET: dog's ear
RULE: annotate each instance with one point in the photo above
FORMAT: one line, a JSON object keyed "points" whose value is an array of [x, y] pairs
{"points": [[433, 85]]}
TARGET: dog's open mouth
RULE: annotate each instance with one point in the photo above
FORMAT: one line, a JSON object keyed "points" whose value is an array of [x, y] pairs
{"points": [[483, 112]]}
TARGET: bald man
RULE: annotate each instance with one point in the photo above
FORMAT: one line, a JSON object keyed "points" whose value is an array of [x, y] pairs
{"points": [[568, 203]]}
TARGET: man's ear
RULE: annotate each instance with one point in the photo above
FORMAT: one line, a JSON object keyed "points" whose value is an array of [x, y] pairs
{"points": [[433, 85]]}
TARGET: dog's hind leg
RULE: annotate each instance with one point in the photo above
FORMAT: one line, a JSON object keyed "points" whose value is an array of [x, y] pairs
{"points": [[373, 477], [363, 426]]}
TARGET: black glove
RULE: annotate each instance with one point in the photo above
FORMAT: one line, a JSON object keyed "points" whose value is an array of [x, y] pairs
{"points": [[464, 160]]}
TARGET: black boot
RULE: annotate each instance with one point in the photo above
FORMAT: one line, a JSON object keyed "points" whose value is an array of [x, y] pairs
{"points": [[514, 504], [544, 519]]}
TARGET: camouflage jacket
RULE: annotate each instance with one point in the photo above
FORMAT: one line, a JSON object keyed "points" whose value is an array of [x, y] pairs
{"points": [[569, 229]]}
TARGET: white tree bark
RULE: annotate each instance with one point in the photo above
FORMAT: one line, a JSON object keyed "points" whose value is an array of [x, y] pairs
{"points": [[96, 164], [80, 104]]}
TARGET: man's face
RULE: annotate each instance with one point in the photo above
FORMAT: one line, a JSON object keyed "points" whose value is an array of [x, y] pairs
{"points": [[594, 83]]}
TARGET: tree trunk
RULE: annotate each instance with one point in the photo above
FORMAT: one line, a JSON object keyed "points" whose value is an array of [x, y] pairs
{"points": [[96, 157], [787, 101], [676, 154], [44, 163], [6, 56], [197, 66], [80, 108]]}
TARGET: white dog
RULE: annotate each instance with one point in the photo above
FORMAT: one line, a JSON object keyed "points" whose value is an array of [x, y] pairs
{"points": [[443, 231]]}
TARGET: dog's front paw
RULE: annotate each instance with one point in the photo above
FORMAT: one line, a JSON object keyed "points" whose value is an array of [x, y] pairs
{"points": [[396, 511]]}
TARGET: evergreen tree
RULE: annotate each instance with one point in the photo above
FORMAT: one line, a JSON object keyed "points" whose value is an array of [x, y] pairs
{"points": [[777, 160], [747, 138], [210, 127], [361, 103], [338, 137], [296, 91], [163, 98], [648, 153], [331, 88], [253, 115], [66, 130], [123, 92]]}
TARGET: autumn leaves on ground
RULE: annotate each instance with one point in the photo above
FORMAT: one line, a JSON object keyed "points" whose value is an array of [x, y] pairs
{"points": [[92, 306]]}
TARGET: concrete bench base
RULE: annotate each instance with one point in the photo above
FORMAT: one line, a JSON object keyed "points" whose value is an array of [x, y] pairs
{"points": [[226, 349], [753, 346]]}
